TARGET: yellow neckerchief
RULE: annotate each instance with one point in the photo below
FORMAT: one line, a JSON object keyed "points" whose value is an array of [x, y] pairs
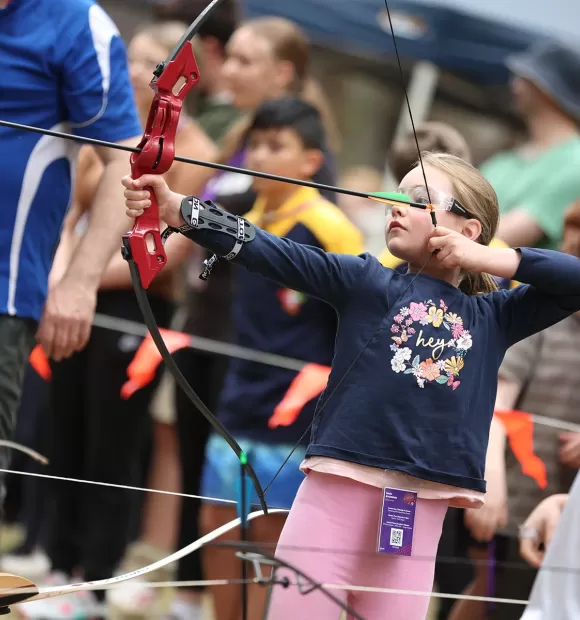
{"points": [[284, 217]]}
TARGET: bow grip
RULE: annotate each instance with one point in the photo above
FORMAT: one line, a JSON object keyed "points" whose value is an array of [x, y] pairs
{"points": [[145, 246]]}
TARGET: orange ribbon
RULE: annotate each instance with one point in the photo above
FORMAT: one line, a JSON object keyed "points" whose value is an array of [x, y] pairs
{"points": [[309, 383], [39, 361], [519, 428], [141, 371]]}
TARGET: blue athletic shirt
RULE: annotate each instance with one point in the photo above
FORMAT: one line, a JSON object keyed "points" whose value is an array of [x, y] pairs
{"points": [[420, 398], [63, 66]]}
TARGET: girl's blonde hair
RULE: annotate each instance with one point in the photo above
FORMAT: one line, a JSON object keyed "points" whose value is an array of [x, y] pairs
{"points": [[290, 44], [477, 195]]}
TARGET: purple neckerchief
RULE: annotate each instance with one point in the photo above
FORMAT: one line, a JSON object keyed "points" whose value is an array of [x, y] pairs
{"points": [[209, 192]]}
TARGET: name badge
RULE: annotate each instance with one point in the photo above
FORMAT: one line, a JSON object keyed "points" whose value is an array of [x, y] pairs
{"points": [[397, 522]]}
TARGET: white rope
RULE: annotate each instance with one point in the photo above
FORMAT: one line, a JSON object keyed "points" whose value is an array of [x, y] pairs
{"points": [[203, 344], [118, 486], [329, 586], [134, 328]]}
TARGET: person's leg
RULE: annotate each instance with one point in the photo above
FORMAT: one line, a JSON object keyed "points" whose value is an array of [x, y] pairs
{"points": [[414, 573], [16, 343], [321, 538], [220, 478], [117, 435], [205, 373], [32, 427], [331, 535], [160, 518], [452, 576], [65, 448], [479, 575], [514, 579]]}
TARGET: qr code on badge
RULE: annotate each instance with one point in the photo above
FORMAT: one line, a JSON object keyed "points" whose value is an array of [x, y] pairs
{"points": [[396, 537]]}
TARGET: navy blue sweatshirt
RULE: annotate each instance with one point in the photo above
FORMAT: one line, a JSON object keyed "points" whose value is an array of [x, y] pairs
{"points": [[421, 397]]}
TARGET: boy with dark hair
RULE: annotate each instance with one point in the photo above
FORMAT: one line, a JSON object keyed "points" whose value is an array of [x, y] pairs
{"points": [[285, 138]]}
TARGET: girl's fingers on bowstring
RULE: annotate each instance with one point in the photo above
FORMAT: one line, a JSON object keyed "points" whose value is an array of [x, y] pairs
{"points": [[436, 243]]}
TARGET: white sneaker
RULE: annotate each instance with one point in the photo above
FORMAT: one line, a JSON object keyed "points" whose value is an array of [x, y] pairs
{"points": [[34, 566], [76, 606]]}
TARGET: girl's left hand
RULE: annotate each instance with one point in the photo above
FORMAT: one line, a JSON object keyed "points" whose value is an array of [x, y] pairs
{"points": [[455, 249]]}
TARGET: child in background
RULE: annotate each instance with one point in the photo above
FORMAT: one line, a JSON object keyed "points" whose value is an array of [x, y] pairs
{"points": [[411, 394]]}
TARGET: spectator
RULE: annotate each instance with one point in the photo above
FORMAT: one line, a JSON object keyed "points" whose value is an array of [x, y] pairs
{"points": [[73, 74], [433, 136], [213, 108], [96, 434], [536, 182]]}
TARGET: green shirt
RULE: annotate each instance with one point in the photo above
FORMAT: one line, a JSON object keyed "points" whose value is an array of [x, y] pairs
{"points": [[216, 117], [544, 187]]}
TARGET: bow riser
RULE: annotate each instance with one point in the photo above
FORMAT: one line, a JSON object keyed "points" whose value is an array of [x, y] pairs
{"points": [[156, 156]]}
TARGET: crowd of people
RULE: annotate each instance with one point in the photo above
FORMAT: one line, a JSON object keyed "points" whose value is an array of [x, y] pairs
{"points": [[489, 446]]}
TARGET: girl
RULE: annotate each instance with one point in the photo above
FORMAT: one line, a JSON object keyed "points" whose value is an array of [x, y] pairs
{"points": [[265, 59], [411, 393]]}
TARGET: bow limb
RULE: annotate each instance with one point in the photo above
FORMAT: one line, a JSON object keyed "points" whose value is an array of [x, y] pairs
{"points": [[183, 383], [12, 445], [103, 584]]}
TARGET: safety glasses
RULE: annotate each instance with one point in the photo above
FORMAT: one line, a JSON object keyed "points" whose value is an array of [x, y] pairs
{"points": [[419, 198]]}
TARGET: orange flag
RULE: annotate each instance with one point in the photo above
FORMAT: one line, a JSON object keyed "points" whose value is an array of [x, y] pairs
{"points": [[39, 361], [519, 428], [141, 371], [308, 384]]}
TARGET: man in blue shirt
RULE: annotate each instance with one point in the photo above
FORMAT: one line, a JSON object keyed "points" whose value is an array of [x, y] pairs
{"points": [[63, 68]]}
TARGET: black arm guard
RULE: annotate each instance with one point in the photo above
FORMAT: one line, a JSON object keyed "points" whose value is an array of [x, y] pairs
{"points": [[206, 215]]}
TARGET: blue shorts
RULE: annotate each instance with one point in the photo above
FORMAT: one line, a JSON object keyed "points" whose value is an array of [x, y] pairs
{"points": [[221, 470]]}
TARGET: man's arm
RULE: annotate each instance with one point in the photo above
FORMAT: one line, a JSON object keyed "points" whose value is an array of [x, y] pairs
{"points": [[107, 222], [66, 323]]}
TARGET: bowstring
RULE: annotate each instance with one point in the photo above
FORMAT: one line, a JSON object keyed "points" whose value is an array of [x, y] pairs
{"points": [[433, 219], [399, 64]]}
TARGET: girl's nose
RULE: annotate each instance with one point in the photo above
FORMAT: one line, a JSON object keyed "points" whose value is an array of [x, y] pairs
{"points": [[397, 210]]}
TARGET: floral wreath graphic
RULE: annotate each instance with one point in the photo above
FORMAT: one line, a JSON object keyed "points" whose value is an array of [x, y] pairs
{"points": [[443, 371]]}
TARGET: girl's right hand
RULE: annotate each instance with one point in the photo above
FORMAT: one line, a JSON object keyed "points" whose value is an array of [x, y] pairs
{"points": [[137, 198]]}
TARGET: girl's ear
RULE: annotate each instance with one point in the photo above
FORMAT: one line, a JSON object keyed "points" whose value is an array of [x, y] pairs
{"points": [[472, 229]]}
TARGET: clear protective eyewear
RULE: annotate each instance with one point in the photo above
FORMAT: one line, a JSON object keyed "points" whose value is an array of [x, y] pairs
{"points": [[419, 198]]}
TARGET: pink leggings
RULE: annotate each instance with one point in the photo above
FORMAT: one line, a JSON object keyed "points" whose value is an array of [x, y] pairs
{"points": [[331, 535]]}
